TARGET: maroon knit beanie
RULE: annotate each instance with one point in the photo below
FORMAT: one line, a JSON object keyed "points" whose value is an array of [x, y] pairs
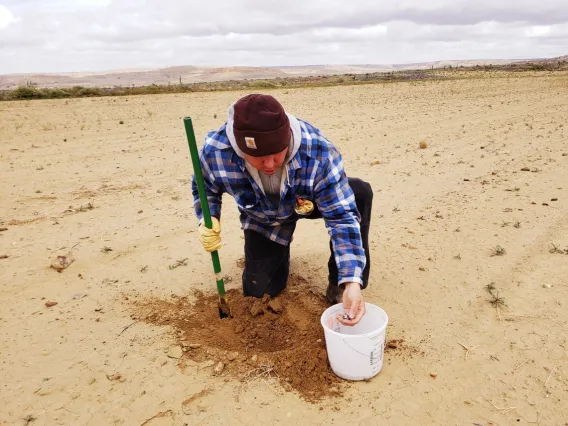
{"points": [[261, 126]]}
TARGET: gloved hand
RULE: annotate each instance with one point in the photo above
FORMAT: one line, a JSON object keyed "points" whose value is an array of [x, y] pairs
{"points": [[210, 238]]}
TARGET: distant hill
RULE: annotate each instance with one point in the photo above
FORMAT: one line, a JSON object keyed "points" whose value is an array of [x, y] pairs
{"points": [[192, 74]]}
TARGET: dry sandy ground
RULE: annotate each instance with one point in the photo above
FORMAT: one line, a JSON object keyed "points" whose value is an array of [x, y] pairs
{"points": [[439, 213]]}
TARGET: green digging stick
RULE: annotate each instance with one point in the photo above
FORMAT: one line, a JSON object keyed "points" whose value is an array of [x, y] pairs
{"points": [[224, 308]]}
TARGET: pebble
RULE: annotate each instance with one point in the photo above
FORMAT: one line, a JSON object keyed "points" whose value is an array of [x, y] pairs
{"points": [[218, 368], [208, 363], [231, 356], [254, 358], [434, 375], [50, 304], [187, 344]]}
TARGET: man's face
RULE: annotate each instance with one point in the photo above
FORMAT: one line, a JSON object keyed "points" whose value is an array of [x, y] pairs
{"points": [[269, 163]]}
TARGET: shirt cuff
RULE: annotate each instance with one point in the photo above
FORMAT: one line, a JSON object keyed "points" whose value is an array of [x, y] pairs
{"points": [[346, 280]]}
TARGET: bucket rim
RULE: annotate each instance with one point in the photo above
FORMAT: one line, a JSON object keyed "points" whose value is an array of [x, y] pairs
{"points": [[326, 329]]}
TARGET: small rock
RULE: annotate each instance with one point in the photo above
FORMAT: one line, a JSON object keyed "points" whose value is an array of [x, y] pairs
{"points": [[525, 169], [554, 199], [434, 375], [62, 262], [265, 299], [208, 363], [3, 229], [254, 358], [115, 376], [190, 345], [231, 356], [218, 368], [275, 306], [175, 352], [4, 256], [239, 328], [546, 286], [375, 163], [50, 304]]}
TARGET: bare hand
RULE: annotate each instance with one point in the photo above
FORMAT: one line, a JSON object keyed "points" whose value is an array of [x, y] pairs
{"points": [[353, 305]]}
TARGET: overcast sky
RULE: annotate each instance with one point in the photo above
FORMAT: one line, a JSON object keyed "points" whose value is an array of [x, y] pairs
{"points": [[94, 35]]}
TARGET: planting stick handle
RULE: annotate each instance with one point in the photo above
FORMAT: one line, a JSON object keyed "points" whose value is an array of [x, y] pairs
{"points": [[203, 198]]}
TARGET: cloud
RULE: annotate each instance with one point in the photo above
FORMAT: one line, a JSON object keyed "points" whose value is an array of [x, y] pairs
{"points": [[74, 35], [6, 17]]}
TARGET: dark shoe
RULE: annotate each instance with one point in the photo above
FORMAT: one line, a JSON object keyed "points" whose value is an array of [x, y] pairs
{"points": [[334, 294]]}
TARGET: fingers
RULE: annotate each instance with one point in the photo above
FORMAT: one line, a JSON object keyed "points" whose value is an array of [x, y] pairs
{"points": [[353, 314]]}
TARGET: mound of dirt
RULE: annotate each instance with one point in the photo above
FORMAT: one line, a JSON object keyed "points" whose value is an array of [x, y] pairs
{"points": [[278, 338]]}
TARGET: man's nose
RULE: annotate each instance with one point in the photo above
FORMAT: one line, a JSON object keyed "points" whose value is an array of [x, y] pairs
{"points": [[269, 162]]}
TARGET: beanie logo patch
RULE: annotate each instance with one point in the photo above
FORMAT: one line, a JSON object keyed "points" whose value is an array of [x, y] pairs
{"points": [[250, 143]]}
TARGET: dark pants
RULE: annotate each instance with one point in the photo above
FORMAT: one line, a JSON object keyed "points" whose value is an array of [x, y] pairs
{"points": [[267, 263]]}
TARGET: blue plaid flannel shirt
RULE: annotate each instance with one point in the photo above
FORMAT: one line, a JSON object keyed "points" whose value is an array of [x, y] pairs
{"points": [[315, 172]]}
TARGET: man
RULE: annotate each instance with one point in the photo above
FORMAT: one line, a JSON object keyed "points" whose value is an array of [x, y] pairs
{"points": [[280, 169]]}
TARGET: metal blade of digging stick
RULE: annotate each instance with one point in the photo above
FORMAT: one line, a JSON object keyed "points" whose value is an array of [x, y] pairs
{"points": [[224, 307]]}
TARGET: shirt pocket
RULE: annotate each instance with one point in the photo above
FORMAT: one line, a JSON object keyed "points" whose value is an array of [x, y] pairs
{"points": [[247, 201]]}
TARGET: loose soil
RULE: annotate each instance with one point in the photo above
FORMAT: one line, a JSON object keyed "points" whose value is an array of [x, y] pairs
{"points": [[278, 338]]}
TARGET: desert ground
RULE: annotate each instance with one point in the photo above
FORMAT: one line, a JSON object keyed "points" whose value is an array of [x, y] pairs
{"points": [[485, 203]]}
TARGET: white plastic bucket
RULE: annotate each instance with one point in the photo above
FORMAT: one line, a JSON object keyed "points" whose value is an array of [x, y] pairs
{"points": [[355, 353]]}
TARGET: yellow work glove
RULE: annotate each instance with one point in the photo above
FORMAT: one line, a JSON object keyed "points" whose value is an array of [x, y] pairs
{"points": [[210, 238]]}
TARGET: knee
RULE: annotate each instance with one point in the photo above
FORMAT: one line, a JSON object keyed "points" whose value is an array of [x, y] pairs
{"points": [[361, 189]]}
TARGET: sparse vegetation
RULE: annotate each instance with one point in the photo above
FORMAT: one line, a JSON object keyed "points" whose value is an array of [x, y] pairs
{"points": [[181, 262], [555, 249], [449, 73], [495, 300], [498, 251]]}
